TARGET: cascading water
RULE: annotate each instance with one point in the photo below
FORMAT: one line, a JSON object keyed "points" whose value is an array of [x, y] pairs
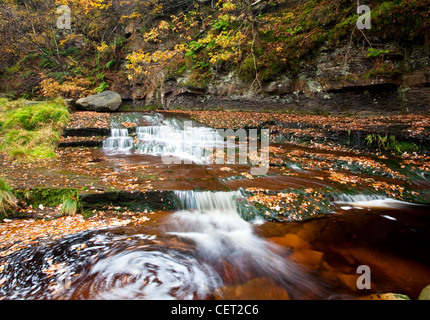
{"points": [[374, 201], [204, 247], [213, 222], [207, 250], [119, 141], [173, 137], [207, 201]]}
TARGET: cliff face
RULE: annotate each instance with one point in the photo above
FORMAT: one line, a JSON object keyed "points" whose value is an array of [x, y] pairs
{"points": [[334, 81], [327, 84], [356, 74]]}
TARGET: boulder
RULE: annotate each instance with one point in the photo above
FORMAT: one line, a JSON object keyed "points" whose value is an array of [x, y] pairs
{"points": [[106, 101], [425, 294], [349, 280]]}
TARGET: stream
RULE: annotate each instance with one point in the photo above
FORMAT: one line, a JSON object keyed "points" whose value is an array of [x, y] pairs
{"points": [[210, 249]]}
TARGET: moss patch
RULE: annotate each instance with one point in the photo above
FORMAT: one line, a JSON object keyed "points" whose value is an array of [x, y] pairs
{"points": [[48, 197], [31, 129]]}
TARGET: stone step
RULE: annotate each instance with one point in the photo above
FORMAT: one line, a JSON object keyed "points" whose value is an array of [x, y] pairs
{"points": [[86, 132], [151, 200]]}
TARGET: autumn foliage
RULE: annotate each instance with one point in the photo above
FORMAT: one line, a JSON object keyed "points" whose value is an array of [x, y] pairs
{"points": [[192, 40]]}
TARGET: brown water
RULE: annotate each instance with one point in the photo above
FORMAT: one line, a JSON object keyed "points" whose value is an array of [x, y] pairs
{"points": [[215, 254]]}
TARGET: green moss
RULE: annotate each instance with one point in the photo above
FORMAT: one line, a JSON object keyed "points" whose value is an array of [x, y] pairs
{"points": [[31, 129], [247, 69], [384, 69], [148, 177], [341, 30], [373, 53], [200, 75], [390, 144], [391, 20], [49, 197]]}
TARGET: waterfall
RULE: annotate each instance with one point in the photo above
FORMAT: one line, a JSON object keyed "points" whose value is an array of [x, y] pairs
{"points": [[173, 138], [374, 201], [118, 142], [360, 197], [209, 201], [213, 221]]}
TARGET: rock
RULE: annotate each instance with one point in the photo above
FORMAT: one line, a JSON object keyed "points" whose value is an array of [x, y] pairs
{"points": [[71, 103], [106, 101], [425, 294], [386, 296], [379, 84], [280, 88], [405, 274], [309, 258], [419, 77], [291, 240], [130, 28], [349, 280], [255, 289], [138, 92]]}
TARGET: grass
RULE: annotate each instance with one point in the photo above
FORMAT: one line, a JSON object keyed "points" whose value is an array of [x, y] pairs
{"points": [[49, 197], [148, 177], [31, 129], [70, 206], [390, 144], [7, 199], [68, 198]]}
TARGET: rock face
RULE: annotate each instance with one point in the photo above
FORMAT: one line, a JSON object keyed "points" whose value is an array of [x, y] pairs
{"points": [[340, 80], [106, 101]]}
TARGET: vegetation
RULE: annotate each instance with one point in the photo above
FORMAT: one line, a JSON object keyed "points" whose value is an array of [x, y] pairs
{"points": [[49, 197], [390, 143], [70, 206], [31, 129], [156, 50], [8, 200], [268, 43], [194, 41]]}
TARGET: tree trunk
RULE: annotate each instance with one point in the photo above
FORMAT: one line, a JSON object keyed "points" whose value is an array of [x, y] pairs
{"points": [[255, 31]]}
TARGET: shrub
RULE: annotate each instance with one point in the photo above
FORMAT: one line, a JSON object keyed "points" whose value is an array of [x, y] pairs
{"points": [[373, 53], [102, 87], [69, 88]]}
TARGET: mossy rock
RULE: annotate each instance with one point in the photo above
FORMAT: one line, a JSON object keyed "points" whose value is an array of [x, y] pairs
{"points": [[425, 294], [386, 296], [49, 197]]}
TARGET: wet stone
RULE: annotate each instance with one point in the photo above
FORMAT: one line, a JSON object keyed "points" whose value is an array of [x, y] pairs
{"points": [[256, 289]]}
